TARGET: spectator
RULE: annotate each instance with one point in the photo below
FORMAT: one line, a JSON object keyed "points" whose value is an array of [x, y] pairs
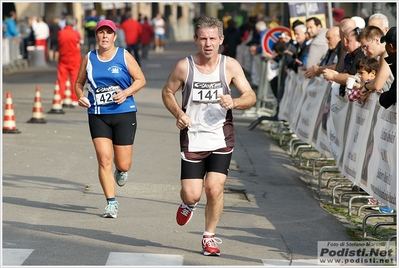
{"points": [[379, 20], [359, 21], [90, 29], [286, 51], [255, 49], [388, 98], [42, 33], [364, 14], [367, 69], [195, 19], [243, 55], [62, 21], [146, 38], [24, 29], [133, 32], [238, 18], [318, 47], [159, 25], [231, 40], [69, 57], [54, 30], [226, 17], [275, 21], [330, 60], [372, 47], [92, 16], [302, 47], [354, 54], [338, 15], [296, 23], [120, 34], [344, 25], [11, 30]]}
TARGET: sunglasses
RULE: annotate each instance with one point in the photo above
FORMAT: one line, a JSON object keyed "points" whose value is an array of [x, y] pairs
{"points": [[357, 31]]}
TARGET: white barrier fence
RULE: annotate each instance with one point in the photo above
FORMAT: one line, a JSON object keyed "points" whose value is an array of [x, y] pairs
{"points": [[361, 139], [10, 49]]}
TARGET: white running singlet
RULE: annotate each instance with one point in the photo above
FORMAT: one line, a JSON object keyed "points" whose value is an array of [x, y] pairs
{"points": [[211, 124]]}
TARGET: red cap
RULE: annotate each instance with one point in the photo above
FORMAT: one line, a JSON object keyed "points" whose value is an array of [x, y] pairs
{"points": [[338, 14], [108, 23]]}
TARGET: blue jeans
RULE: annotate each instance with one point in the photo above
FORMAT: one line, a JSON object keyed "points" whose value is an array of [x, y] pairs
{"points": [[91, 42], [144, 51]]}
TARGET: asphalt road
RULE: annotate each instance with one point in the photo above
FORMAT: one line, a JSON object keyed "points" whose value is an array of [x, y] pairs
{"points": [[53, 202]]}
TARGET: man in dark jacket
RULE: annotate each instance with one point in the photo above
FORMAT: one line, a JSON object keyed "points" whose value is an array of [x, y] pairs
{"points": [[330, 60], [232, 39], [388, 98]]}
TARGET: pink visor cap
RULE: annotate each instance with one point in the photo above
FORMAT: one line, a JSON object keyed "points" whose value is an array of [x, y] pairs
{"points": [[108, 23]]}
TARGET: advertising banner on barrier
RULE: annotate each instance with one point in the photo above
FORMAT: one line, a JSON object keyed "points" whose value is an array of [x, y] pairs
{"points": [[338, 123], [320, 140], [357, 135], [297, 97], [285, 103], [379, 178], [309, 108], [361, 138]]}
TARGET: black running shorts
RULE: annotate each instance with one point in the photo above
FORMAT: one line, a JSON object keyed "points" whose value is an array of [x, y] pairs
{"points": [[215, 162], [120, 128]]}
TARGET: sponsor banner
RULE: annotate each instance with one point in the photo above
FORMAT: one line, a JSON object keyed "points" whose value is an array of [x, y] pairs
{"points": [[320, 139], [359, 253], [309, 108], [297, 98], [286, 101], [357, 133], [380, 160], [361, 139], [338, 123]]}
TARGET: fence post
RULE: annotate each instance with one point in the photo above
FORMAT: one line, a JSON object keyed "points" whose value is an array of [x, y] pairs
{"points": [[6, 51]]}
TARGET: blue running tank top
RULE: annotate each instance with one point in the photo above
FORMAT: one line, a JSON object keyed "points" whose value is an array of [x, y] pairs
{"points": [[103, 78]]}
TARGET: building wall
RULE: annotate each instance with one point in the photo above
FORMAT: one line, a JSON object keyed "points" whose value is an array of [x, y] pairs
{"points": [[179, 28]]}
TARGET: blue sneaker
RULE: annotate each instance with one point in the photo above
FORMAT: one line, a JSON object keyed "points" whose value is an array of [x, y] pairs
{"points": [[386, 209], [111, 210], [120, 177]]}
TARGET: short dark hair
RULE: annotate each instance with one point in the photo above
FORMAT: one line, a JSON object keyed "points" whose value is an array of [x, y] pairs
{"points": [[296, 23], [316, 20], [368, 64]]}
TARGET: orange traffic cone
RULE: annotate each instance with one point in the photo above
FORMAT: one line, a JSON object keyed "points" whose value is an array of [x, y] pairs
{"points": [[67, 103], [57, 106], [9, 125], [37, 116]]}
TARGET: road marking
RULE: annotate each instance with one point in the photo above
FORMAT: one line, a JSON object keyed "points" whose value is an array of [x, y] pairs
{"points": [[15, 257], [136, 259]]}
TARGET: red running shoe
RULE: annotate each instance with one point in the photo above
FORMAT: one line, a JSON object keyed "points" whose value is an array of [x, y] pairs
{"points": [[184, 214], [209, 245]]}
